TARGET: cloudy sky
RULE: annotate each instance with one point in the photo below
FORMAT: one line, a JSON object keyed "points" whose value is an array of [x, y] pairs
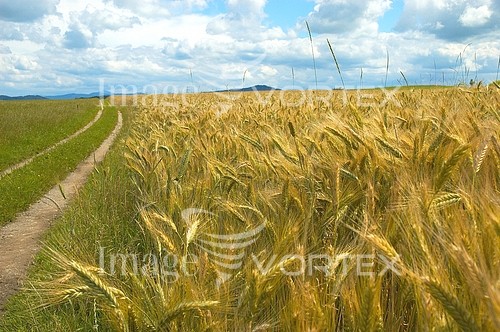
{"points": [[61, 46]]}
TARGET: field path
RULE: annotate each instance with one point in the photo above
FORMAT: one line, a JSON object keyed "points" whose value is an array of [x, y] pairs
{"points": [[20, 239], [50, 148]]}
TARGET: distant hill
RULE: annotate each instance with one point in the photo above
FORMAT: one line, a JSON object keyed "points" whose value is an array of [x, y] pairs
{"points": [[28, 97], [258, 87], [58, 97], [68, 96], [77, 96]]}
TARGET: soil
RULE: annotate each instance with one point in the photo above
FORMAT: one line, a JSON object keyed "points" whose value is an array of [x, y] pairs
{"points": [[20, 239]]}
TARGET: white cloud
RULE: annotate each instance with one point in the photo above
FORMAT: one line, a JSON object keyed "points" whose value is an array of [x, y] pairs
{"points": [[24, 47], [243, 21], [163, 42], [249, 7], [4, 49], [17, 66], [343, 16], [188, 29], [475, 17], [143, 66], [100, 18], [454, 20], [268, 70], [65, 8], [146, 8], [25, 10], [10, 31], [25, 63], [78, 38], [160, 8]]}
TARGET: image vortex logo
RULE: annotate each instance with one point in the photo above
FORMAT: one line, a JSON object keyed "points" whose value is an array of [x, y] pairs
{"points": [[226, 251]]}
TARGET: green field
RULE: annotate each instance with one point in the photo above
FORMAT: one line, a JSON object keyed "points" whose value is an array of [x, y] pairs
{"points": [[26, 185], [285, 211], [29, 127]]}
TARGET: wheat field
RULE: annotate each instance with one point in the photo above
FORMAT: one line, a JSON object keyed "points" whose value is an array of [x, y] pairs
{"points": [[379, 213]]}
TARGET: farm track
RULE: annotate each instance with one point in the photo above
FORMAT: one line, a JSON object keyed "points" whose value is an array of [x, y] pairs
{"points": [[50, 148], [20, 240]]}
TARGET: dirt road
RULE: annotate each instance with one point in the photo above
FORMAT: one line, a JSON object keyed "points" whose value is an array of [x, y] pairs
{"points": [[20, 240]]}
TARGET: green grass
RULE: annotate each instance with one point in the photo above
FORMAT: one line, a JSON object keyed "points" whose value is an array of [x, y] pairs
{"points": [[27, 184], [101, 214], [29, 127]]}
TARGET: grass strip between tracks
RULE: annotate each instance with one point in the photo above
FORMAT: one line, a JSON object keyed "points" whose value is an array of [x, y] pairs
{"points": [[26, 185]]}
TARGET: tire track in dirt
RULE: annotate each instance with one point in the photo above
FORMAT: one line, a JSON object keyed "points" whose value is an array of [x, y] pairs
{"points": [[50, 148], [20, 239]]}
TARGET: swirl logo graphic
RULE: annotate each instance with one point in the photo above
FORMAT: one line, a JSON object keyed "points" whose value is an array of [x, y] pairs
{"points": [[226, 251]]}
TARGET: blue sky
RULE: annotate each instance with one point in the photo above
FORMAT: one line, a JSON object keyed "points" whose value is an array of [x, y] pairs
{"points": [[388, 21], [59, 46], [286, 16]]}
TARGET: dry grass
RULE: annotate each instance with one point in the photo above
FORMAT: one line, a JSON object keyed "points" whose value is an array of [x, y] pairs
{"points": [[414, 182]]}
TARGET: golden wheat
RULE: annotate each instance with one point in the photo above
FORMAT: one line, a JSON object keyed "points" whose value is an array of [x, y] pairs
{"points": [[413, 181]]}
